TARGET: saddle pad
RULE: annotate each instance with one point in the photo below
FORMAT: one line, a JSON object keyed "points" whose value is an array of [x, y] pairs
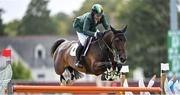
{"points": [[73, 49]]}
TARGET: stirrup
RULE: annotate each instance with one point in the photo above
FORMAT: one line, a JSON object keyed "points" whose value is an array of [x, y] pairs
{"points": [[78, 64]]}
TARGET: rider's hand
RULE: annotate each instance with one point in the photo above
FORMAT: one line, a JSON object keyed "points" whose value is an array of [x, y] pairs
{"points": [[99, 35]]}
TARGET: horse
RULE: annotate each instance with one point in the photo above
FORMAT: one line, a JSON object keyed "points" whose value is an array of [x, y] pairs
{"points": [[104, 55]]}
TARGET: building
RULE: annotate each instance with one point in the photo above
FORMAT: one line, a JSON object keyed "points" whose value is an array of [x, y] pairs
{"points": [[34, 53]]}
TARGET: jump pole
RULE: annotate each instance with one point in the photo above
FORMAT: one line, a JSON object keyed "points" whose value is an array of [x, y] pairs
{"points": [[124, 71], [164, 69], [79, 89]]}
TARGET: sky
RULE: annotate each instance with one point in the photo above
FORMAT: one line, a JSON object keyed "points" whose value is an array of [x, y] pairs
{"points": [[15, 9]]}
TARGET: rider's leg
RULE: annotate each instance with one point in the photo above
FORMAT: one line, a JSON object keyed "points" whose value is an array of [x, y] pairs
{"points": [[82, 39], [78, 54]]}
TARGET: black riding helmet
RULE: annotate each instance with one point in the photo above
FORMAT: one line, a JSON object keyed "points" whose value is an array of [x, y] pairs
{"points": [[97, 9]]}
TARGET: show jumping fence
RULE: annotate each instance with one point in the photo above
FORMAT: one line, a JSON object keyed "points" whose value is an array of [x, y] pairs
{"points": [[88, 89], [80, 89]]}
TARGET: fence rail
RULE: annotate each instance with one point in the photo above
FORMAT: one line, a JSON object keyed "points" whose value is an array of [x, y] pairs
{"points": [[79, 89]]}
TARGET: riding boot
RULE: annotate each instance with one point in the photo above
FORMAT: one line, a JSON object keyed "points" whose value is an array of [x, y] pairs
{"points": [[78, 56]]}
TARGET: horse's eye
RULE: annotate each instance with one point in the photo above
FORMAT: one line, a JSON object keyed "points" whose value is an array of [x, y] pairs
{"points": [[121, 39]]}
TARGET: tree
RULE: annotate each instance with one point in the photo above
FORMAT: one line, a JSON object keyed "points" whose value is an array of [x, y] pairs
{"points": [[20, 72], [63, 23], [11, 28], [2, 33], [37, 20]]}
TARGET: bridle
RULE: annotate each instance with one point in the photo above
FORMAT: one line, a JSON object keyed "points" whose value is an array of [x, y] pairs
{"points": [[112, 48]]}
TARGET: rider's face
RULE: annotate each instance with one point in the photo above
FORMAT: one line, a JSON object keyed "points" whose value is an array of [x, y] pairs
{"points": [[97, 17]]}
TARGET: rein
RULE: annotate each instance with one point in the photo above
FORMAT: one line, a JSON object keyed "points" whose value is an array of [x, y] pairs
{"points": [[113, 51]]}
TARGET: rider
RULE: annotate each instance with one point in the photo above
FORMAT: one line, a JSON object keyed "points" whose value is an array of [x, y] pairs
{"points": [[85, 26]]}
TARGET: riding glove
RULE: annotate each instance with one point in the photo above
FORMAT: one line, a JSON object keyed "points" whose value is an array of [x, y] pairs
{"points": [[99, 35]]}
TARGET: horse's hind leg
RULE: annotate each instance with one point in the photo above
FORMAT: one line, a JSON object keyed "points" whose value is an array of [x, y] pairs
{"points": [[71, 70], [74, 74], [58, 63], [62, 80], [77, 74], [68, 77]]}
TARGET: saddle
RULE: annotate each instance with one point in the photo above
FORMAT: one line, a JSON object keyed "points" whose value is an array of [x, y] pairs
{"points": [[86, 47]]}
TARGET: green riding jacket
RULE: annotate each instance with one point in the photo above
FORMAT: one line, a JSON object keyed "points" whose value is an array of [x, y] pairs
{"points": [[85, 24]]}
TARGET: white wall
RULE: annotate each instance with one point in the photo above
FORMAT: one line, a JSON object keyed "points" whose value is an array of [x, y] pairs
{"points": [[49, 74], [138, 74]]}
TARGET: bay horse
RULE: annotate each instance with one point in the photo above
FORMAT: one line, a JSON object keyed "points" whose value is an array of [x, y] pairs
{"points": [[104, 54]]}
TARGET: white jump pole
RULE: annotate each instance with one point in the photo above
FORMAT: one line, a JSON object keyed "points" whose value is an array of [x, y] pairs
{"points": [[164, 69]]}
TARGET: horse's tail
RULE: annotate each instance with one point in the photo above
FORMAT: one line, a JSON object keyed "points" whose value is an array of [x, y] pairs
{"points": [[55, 45]]}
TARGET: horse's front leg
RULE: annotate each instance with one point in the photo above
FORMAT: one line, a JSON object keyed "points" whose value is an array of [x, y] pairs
{"points": [[104, 68], [116, 75], [109, 73]]}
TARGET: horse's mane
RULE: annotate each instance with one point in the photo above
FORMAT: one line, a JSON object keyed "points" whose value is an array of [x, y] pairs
{"points": [[106, 31]]}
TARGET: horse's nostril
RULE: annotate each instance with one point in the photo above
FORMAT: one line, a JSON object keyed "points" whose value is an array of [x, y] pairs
{"points": [[123, 59]]}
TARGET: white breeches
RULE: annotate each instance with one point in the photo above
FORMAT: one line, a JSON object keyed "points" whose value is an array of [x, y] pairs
{"points": [[82, 38]]}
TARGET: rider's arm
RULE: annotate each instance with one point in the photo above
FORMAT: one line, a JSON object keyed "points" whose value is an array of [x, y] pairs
{"points": [[105, 23], [86, 27]]}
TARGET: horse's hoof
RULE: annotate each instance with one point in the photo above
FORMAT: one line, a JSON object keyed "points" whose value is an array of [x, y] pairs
{"points": [[111, 79], [116, 78], [69, 82]]}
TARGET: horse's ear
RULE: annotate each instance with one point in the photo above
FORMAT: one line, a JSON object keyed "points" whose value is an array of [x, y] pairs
{"points": [[124, 29], [113, 30]]}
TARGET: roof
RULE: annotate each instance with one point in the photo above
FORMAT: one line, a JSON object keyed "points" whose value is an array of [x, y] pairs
{"points": [[25, 46]]}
